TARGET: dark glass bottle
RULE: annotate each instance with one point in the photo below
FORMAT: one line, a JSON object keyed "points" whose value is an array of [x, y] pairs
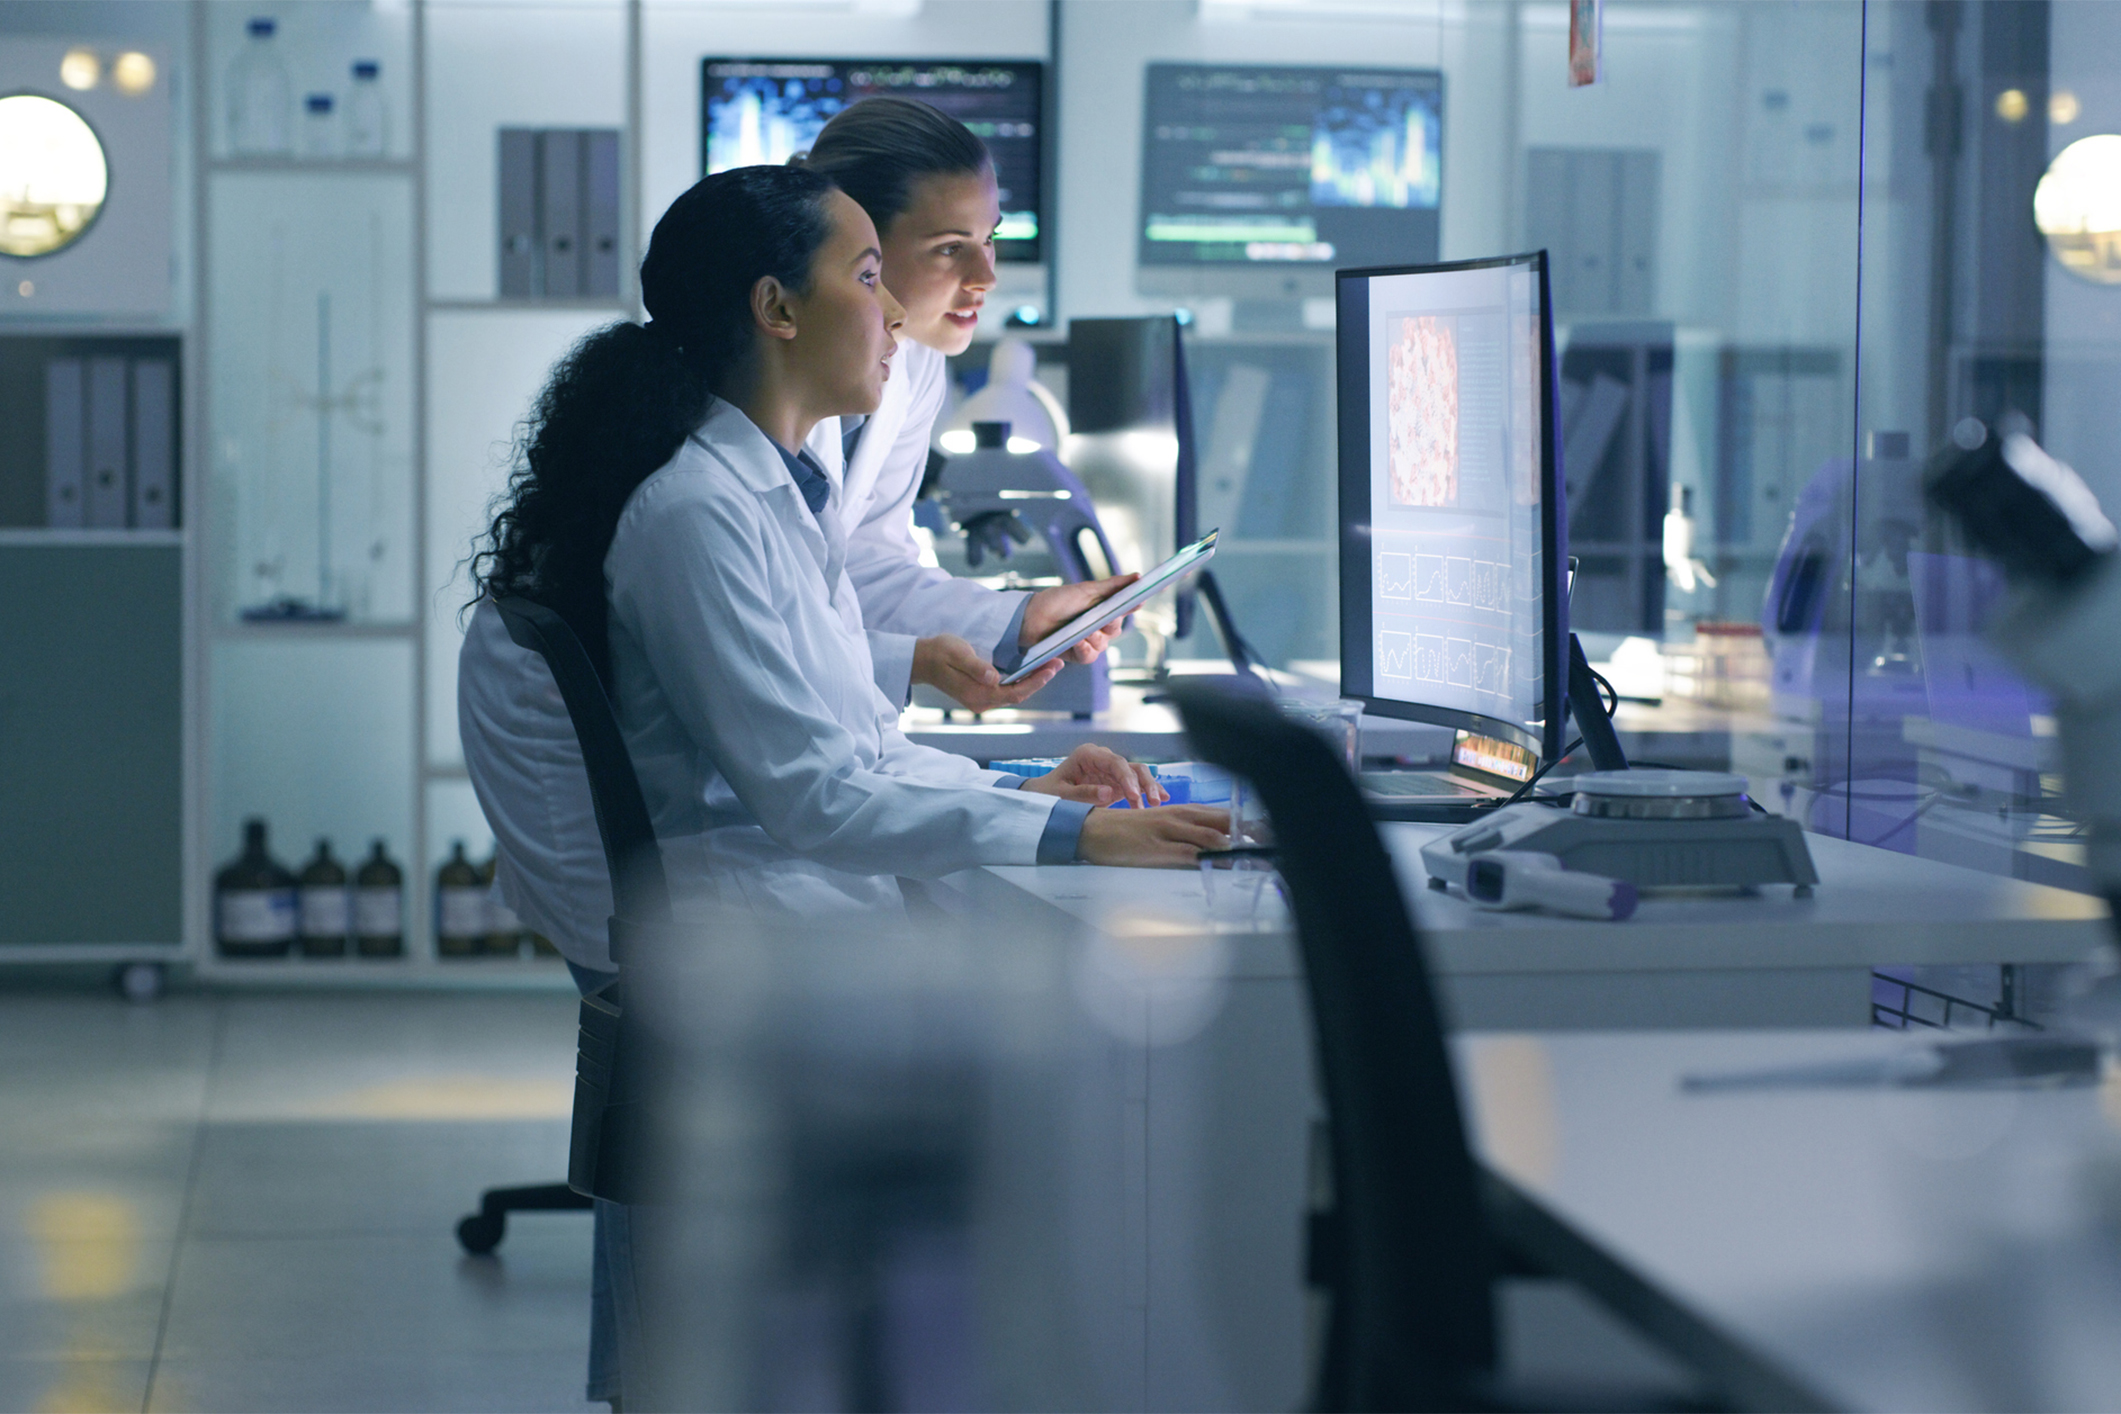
{"points": [[379, 906], [460, 906], [254, 901], [323, 907], [504, 931]]}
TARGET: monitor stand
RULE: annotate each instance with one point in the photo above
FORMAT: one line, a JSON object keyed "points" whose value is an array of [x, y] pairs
{"points": [[1234, 646], [1588, 708]]}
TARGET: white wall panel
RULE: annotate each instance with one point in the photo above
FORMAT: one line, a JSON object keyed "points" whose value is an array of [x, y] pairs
{"points": [[496, 66], [485, 367]]}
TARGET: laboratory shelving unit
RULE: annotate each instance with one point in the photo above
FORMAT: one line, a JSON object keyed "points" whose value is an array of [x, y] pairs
{"points": [[315, 480]]}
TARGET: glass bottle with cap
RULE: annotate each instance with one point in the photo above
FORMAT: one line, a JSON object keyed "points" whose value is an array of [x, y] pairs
{"points": [[324, 907], [260, 99], [379, 906], [367, 124], [254, 901], [320, 129], [460, 906]]}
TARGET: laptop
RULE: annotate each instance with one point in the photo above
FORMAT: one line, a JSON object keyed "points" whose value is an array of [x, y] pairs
{"points": [[1483, 773]]}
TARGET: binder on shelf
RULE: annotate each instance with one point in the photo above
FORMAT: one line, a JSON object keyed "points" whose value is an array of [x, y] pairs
{"points": [[560, 210], [519, 214], [600, 191], [154, 444], [65, 450], [107, 491]]}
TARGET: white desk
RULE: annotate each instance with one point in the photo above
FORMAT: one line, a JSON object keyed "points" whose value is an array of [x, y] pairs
{"points": [[1771, 960], [1868, 1248]]}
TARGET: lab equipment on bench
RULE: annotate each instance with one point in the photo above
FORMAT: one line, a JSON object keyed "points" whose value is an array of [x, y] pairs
{"points": [[2056, 544], [1651, 828], [1509, 879], [1185, 782]]}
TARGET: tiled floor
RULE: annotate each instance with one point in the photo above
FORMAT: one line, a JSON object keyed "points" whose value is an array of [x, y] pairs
{"points": [[247, 1203]]}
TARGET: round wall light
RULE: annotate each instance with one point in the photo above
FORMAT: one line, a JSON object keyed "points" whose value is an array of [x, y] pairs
{"points": [[133, 73], [80, 69], [2078, 208], [53, 175]]}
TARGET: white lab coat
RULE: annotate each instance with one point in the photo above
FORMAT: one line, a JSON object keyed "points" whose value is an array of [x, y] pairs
{"points": [[902, 599], [773, 767]]}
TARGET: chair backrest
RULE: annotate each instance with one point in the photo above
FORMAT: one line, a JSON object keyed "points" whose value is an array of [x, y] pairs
{"points": [[640, 892], [1412, 1323], [606, 1140]]}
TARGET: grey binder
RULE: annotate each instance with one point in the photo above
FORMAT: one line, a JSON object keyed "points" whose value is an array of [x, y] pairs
{"points": [[107, 417], [154, 444], [65, 451], [560, 211], [600, 190], [519, 214]]}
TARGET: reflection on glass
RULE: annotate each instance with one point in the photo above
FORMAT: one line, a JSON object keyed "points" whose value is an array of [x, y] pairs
{"points": [[2078, 208]]}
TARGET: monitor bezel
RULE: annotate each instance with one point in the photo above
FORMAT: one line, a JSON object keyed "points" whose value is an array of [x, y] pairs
{"points": [[1352, 389], [1032, 252]]}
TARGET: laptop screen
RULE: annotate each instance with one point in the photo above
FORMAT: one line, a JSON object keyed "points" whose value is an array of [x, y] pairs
{"points": [[1503, 760]]}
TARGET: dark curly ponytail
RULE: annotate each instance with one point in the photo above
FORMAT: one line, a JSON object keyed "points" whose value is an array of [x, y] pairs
{"points": [[623, 400]]}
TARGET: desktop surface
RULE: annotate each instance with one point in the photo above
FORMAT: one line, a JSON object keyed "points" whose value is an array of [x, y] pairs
{"points": [[1880, 1248]]}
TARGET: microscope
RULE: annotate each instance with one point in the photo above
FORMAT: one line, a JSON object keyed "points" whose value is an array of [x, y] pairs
{"points": [[1000, 499], [2035, 516]]}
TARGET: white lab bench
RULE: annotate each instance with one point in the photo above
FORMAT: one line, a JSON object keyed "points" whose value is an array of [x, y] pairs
{"points": [[1768, 960], [1814, 1246]]}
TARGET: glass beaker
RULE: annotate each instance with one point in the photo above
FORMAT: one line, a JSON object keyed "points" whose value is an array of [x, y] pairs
{"points": [[1340, 723]]}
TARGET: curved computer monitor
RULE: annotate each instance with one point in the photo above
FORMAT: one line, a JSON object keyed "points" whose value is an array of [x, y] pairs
{"points": [[1258, 181], [1453, 535], [756, 111]]}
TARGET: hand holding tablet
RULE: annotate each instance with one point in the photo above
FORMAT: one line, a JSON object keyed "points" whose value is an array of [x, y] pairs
{"points": [[1117, 607]]}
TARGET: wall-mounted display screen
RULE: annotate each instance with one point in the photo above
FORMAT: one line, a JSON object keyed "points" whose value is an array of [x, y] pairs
{"points": [[1244, 165], [767, 110]]}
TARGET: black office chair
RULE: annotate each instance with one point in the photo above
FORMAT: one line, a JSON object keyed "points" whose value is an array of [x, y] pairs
{"points": [[1406, 1254], [605, 1128]]}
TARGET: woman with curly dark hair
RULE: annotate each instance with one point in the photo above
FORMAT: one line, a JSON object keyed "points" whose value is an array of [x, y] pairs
{"points": [[665, 508]]}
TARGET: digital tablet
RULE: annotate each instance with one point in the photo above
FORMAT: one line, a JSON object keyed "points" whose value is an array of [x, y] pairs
{"points": [[1117, 607]]}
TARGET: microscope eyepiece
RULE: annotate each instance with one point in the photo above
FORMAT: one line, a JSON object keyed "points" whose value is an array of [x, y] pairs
{"points": [[2019, 504]]}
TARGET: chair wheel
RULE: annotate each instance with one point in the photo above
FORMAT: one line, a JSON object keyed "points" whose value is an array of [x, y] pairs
{"points": [[480, 1234]]}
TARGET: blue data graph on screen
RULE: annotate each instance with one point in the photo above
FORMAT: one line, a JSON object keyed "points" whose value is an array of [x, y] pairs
{"points": [[1378, 148], [764, 121]]}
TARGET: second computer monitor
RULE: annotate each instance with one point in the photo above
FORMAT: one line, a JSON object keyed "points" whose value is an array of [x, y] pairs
{"points": [[1258, 180], [756, 111], [1453, 554]]}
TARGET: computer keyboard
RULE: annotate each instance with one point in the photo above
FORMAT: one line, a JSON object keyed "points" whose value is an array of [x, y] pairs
{"points": [[1414, 784]]}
